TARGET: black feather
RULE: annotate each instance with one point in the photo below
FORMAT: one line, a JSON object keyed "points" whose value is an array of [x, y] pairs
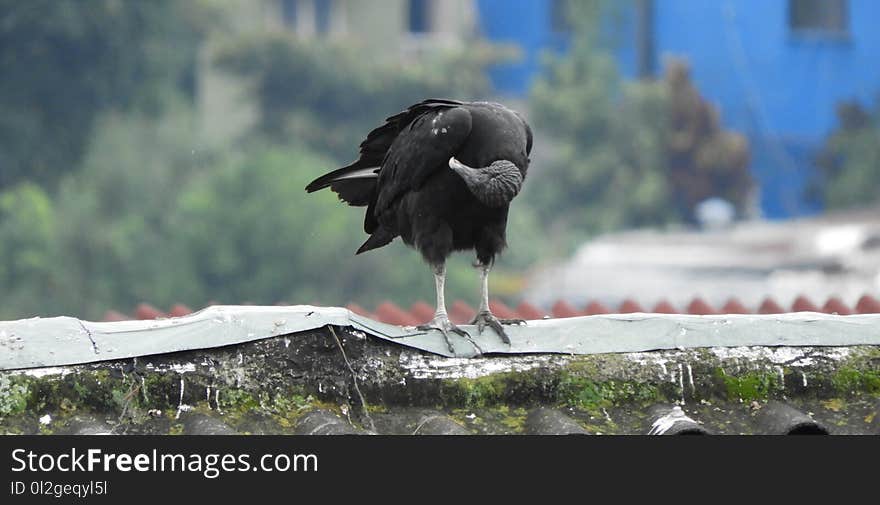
{"points": [[416, 195]]}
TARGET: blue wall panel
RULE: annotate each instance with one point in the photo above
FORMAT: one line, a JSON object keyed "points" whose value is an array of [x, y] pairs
{"points": [[777, 86]]}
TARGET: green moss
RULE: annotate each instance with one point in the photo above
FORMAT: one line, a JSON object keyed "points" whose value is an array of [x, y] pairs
{"points": [[515, 419], [287, 409], [237, 400], [572, 388], [284, 407], [482, 391], [14, 395], [471, 393], [587, 394], [93, 389], [157, 389], [495, 420], [834, 404], [849, 380], [750, 386]]}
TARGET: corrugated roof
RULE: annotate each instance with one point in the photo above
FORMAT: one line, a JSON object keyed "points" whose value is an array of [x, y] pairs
{"points": [[461, 313]]}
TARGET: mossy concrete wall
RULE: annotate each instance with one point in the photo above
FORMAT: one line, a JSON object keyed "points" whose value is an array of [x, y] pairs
{"points": [[266, 385]]}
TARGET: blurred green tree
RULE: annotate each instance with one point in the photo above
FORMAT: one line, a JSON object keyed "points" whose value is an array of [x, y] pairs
{"points": [[114, 245], [626, 154], [248, 232], [607, 138], [702, 159], [64, 62], [849, 163], [27, 259], [142, 210], [330, 96]]}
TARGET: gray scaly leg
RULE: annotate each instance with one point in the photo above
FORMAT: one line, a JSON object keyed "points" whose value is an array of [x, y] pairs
{"points": [[441, 318], [484, 316]]}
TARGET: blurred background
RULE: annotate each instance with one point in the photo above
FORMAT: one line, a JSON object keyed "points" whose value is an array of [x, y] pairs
{"points": [[157, 151]]}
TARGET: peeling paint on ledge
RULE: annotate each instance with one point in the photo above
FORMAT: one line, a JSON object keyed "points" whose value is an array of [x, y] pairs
{"points": [[61, 341]]}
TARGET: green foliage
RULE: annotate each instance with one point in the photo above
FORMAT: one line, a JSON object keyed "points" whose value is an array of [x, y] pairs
{"points": [[27, 231], [247, 231], [125, 203], [329, 96], [151, 216], [250, 233], [702, 159], [850, 159], [27, 225], [625, 154], [609, 139], [114, 242], [63, 62], [605, 154]]}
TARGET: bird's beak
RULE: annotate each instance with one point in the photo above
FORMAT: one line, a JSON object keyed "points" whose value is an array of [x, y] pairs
{"points": [[455, 164]]}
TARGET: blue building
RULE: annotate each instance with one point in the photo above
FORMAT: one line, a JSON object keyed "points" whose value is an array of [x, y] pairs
{"points": [[775, 68]]}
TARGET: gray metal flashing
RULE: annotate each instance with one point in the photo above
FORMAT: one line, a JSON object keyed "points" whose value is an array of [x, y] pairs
{"points": [[58, 341]]}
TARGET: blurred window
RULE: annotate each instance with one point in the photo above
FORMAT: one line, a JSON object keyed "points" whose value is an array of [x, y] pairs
{"points": [[288, 13], [559, 22], [820, 15], [323, 9], [419, 16]]}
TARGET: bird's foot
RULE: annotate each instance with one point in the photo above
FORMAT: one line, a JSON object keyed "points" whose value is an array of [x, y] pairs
{"points": [[485, 318], [446, 327]]}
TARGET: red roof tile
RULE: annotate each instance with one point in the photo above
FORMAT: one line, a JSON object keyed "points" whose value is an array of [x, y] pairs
{"points": [[595, 308], [664, 307], [502, 311], [564, 309], [699, 307], [630, 306], [528, 311], [357, 309], [803, 304], [422, 311], [835, 306], [387, 312], [867, 304], [147, 311], [112, 315], [462, 313], [769, 306], [734, 306], [179, 310]]}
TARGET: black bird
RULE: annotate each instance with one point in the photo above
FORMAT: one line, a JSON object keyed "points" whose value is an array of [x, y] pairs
{"points": [[440, 175]]}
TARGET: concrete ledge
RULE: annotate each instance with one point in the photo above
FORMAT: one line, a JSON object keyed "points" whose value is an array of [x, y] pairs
{"points": [[34, 343], [269, 385]]}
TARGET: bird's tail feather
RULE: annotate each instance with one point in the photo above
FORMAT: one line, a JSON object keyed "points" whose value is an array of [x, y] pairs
{"points": [[378, 239], [356, 170], [355, 183]]}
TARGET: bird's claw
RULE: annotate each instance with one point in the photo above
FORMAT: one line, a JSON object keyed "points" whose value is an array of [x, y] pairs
{"points": [[445, 326], [485, 318]]}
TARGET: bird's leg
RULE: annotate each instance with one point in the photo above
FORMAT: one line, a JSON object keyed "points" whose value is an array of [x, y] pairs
{"points": [[484, 315], [441, 318]]}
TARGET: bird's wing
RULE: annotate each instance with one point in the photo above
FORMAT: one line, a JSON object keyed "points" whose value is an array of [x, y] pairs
{"points": [[356, 183], [422, 148]]}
